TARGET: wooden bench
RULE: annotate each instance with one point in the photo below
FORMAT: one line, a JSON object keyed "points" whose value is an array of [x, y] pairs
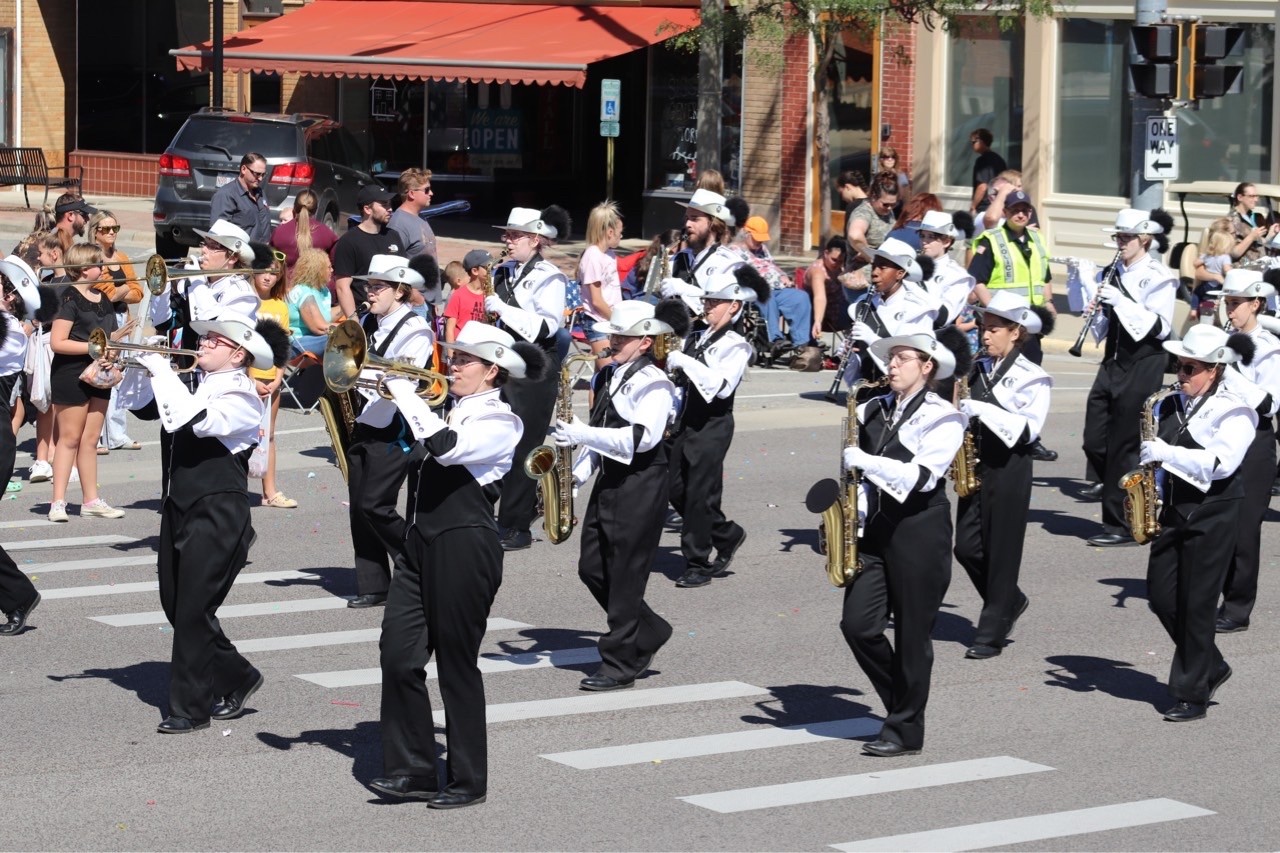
{"points": [[27, 166]]}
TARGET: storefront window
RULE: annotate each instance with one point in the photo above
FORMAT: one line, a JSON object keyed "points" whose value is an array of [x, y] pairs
{"points": [[1095, 114], [673, 125], [984, 89], [852, 88], [1229, 138]]}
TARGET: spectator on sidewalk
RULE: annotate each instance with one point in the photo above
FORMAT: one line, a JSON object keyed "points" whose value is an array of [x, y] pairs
{"points": [[70, 216], [355, 249], [985, 169], [303, 231], [786, 301], [466, 302], [115, 284], [241, 201], [415, 194]]}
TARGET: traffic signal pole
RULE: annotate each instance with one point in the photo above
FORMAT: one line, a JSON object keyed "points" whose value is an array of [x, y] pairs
{"points": [[1145, 195]]}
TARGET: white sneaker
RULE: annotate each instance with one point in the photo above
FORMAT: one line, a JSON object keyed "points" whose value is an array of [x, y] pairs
{"points": [[41, 472], [58, 511], [75, 475], [100, 509]]}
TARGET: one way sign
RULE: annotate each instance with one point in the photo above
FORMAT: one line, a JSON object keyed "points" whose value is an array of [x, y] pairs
{"points": [[1160, 157]]}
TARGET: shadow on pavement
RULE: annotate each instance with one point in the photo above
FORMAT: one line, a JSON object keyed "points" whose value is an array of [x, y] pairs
{"points": [[149, 680], [1126, 588], [1057, 523], [797, 704], [805, 537], [1086, 674], [362, 744]]}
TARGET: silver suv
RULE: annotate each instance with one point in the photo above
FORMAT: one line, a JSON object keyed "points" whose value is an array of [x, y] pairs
{"points": [[302, 150]]}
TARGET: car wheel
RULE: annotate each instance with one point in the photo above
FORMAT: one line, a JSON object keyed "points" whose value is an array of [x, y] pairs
{"points": [[330, 219], [169, 248]]}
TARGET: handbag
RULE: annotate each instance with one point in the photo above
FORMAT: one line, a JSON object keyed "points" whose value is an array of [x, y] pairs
{"points": [[102, 374], [807, 360]]}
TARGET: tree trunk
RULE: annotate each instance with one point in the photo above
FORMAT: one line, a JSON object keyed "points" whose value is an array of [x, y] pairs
{"points": [[822, 127]]}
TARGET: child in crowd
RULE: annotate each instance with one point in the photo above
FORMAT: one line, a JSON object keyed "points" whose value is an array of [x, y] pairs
{"points": [[470, 281], [272, 285], [1217, 254]]}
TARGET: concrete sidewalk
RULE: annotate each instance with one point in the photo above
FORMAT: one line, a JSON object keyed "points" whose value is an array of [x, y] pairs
{"points": [[455, 236]]}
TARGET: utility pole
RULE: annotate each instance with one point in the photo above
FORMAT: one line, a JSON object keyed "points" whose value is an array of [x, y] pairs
{"points": [[217, 54], [1145, 195], [710, 91]]}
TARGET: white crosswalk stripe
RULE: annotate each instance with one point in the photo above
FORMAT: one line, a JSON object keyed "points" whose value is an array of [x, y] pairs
{"points": [[230, 611], [863, 784], [717, 744], [487, 663], [339, 638], [1004, 833], [153, 586], [20, 524], [621, 700], [79, 565], [67, 542]]}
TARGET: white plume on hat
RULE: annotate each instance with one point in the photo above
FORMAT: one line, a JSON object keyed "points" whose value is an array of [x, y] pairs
{"points": [[235, 238]]}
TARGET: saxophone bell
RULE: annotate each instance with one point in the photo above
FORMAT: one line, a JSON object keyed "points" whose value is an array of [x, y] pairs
{"points": [[552, 465]]}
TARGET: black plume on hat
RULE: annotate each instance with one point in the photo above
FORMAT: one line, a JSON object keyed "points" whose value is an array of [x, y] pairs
{"points": [[48, 304], [4, 319], [1161, 217], [1244, 347], [674, 313], [963, 221], [751, 279], [740, 208], [535, 361], [1272, 277], [428, 267], [926, 267], [277, 337], [263, 257], [958, 343], [558, 218], [1047, 320]]}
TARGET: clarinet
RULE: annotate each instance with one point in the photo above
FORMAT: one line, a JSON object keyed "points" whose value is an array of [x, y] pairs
{"points": [[1077, 349], [861, 311]]}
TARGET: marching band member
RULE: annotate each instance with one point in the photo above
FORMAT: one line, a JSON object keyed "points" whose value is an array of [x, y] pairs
{"points": [[1204, 433], [20, 299], [908, 440], [439, 601], [1138, 315], [204, 524], [1245, 295], [633, 402], [708, 373], [530, 305], [706, 255], [950, 283], [893, 308], [382, 449], [1007, 405]]}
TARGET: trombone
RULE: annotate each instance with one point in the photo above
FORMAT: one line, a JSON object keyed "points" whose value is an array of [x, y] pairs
{"points": [[347, 354], [158, 276], [99, 346]]}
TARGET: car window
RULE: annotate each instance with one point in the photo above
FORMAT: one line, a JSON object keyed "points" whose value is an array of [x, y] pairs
{"points": [[218, 138], [321, 145], [354, 157]]}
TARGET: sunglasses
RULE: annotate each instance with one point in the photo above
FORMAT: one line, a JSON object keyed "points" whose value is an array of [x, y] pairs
{"points": [[109, 229], [213, 247], [1191, 368], [258, 175], [214, 341], [278, 256]]}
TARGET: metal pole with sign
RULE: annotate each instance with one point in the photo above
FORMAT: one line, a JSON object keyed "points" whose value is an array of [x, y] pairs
{"points": [[1160, 155], [610, 125]]}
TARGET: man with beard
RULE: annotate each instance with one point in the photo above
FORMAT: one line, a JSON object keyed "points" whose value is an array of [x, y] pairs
{"points": [[355, 250]]}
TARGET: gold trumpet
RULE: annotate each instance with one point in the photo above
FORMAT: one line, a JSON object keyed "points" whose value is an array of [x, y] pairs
{"points": [[99, 346], [158, 276], [347, 354]]}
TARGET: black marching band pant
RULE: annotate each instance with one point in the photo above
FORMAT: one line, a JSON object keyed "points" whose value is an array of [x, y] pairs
{"points": [[535, 404], [16, 589], [378, 461], [696, 482]]}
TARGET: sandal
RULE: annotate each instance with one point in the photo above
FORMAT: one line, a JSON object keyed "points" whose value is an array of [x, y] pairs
{"points": [[128, 445], [103, 451], [279, 501]]}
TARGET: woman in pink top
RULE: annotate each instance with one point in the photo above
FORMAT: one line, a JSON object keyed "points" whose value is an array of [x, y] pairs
{"points": [[304, 231], [598, 272]]}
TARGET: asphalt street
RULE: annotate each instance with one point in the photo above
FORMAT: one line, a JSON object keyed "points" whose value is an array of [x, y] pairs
{"points": [[745, 735]]}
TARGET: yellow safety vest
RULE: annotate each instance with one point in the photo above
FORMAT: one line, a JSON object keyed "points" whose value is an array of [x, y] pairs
{"points": [[1011, 269]]}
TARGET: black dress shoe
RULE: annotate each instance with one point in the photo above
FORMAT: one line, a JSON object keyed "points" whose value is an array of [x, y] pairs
{"points": [[180, 726], [1219, 678], [1040, 453], [370, 599], [982, 652], [406, 787], [1109, 540], [1275, 488], [1022, 608], [232, 705], [887, 749], [1226, 625], [674, 519], [1185, 712], [455, 801], [725, 557], [1093, 492], [17, 620], [693, 578], [516, 540], [601, 683]]}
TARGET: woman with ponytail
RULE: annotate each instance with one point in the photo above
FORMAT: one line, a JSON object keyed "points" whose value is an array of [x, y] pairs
{"points": [[304, 231]]}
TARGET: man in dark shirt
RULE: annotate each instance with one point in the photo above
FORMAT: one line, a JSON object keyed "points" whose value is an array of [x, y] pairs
{"points": [[241, 202], [985, 168], [354, 250]]}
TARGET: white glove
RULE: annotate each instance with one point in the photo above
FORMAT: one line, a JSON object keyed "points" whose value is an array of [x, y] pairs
{"points": [[568, 433], [494, 304], [672, 287], [863, 332], [678, 360], [155, 363], [1110, 294], [156, 341], [398, 386], [856, 457], [1153, 451], [973, 408]]}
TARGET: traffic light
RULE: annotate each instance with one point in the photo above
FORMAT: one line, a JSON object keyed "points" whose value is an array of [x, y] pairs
{"points": [[1213, 44], [1153, 60]]}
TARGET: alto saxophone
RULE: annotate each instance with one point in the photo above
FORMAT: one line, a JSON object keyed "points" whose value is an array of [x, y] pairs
{"points": [[964, 468], [1141, 500], [658, 272], [552, 466], [838, 533], [490, 317]]}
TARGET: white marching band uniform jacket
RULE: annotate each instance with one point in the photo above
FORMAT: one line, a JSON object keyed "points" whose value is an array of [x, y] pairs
{"points": [[1151, 288], [933, 433], [414, 343], [229, 400], [644, 400], [907, 310], [1023, 397], [950, 285], [539, 292], [486, 430], [1259, 381], [1223, 425]]}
